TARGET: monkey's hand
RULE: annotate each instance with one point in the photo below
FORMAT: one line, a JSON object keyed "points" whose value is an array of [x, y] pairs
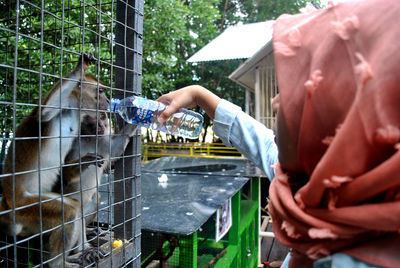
{"points": [[86, 59], [73, 169], [129, 129], [89, 256], [92, 159]]}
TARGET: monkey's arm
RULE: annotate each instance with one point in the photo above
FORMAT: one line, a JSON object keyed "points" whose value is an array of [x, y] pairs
{"points": [[119, 143], [74, 168]]}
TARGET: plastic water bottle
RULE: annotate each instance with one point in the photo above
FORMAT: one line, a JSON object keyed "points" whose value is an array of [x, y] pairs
{"points": [[144, 112]]}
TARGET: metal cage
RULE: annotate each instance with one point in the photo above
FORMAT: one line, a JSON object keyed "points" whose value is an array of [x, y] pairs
{"points": [[40, 43]]}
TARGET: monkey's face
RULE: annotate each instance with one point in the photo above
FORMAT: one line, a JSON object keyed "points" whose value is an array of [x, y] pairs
{"points": [[94, 104], [92, 94], [95, 123]]}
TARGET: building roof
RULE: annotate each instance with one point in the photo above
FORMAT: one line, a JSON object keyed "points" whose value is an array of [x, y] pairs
{"points": [[236, 42], [244, 74]]}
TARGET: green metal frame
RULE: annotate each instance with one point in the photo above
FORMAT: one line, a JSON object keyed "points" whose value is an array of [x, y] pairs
{"points": [[242, 247]]}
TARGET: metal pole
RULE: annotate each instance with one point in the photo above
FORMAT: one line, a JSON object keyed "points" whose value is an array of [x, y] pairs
{"points": [[128, 60]]}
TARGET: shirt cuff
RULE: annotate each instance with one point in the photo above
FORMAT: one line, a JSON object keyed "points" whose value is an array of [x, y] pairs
{"points": [[225, 115]]}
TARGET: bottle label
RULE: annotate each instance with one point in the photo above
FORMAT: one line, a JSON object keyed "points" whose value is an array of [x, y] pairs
{"points": [[142, 114]]}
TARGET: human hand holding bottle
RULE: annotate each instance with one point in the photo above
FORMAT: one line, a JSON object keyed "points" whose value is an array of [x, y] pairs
{"points": [[188, 97]]}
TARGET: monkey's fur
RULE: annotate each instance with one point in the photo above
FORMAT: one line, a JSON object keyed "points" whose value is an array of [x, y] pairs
{"points": [[97, 143], [48, 132]]}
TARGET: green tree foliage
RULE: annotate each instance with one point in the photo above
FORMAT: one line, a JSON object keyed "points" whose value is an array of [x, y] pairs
{"points": [[175, 29], [48, 45], [40, 41], [248, 11]]}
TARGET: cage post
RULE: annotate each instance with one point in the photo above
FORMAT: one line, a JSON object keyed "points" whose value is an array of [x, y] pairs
{"points": [[188, 250], [127, 189]]}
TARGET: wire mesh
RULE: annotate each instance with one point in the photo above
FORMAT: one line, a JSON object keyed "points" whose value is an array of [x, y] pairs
{"points": [[237, 248], [166, 244], [68, 194], [172, 251]]}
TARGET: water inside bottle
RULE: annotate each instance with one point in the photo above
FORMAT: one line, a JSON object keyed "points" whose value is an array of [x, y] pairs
{"points": [[183, 124], [189, 125]]}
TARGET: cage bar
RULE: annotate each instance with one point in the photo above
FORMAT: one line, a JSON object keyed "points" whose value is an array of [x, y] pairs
{"points": [[40, 43]]}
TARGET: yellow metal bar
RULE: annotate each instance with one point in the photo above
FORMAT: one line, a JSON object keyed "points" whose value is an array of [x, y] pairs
{"points": [[146, 153], [154, 150]]}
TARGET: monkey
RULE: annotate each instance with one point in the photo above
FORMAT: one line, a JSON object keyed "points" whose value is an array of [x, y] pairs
{"points": [[94, 144], [34, 162]]}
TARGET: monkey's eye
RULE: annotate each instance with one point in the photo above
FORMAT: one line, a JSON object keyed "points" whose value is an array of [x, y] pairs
{"points": [[103, 116], [101, 90]]}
